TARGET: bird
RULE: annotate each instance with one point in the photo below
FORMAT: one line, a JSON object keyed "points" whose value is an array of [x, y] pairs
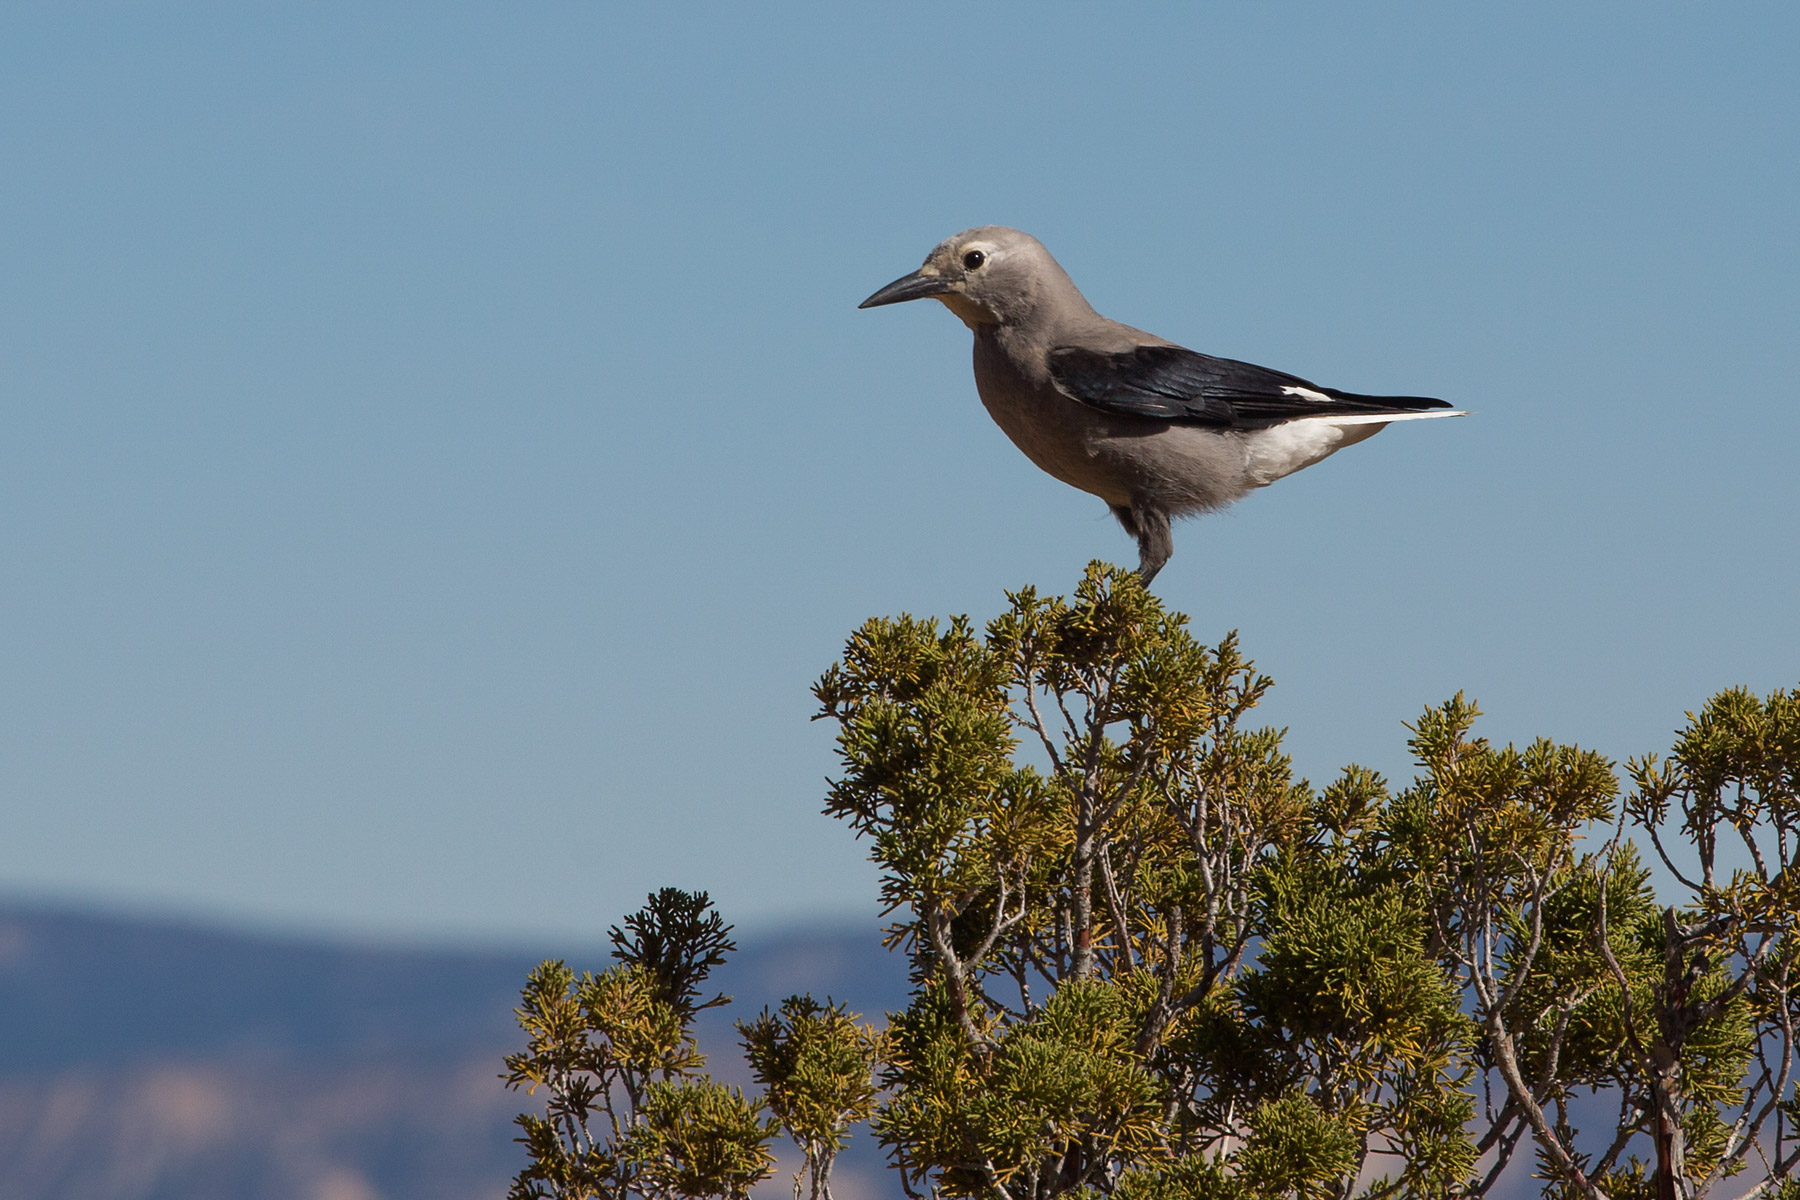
{"points": [[1154, 429]]}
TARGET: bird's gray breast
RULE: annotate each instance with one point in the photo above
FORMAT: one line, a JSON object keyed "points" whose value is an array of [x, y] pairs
{"points": [[1124, 460], [1062, 436]]}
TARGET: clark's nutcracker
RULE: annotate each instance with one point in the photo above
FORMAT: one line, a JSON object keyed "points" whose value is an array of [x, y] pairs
{"points": [[1154, 429]]}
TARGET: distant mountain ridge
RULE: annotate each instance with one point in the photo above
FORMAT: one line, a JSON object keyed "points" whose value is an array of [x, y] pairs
{"points": [[77, 988], [146, 1059]]}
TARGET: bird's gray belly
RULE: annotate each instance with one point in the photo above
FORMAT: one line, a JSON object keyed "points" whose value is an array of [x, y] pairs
{"points": [[1122, 460]]}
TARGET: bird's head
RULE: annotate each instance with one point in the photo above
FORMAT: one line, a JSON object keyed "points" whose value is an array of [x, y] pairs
{"points": [[991, 275]]}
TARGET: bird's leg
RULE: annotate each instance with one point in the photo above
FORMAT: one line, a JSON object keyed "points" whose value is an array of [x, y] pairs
{"points": [[1155, 544], [1155, 541]]}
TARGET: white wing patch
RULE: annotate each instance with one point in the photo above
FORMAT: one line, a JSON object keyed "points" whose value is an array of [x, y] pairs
{"points": [[1309, 394]]}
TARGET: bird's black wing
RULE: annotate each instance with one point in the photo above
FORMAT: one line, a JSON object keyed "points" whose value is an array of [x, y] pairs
{"points": [[1172, 383]]}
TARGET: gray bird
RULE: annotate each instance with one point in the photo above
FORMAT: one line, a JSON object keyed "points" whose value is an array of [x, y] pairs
{"points": [[1156, 430]]}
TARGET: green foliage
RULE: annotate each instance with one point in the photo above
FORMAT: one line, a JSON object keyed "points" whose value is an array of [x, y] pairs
{"points": [[1297, 1149], [1138, 938], [677, 939], [1071, 804], [627, 1110], [1712, 1039], [1193, 1178], [993, 1116], [697, 1138], [1151, 964], [816, 1065]]}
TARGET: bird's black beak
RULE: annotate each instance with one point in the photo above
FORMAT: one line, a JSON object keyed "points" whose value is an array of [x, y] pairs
{"points": [[916, 286]]}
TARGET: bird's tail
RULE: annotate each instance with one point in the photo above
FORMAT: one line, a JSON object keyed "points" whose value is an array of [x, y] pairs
{"points": [[1385, 418], [1418, 404]]}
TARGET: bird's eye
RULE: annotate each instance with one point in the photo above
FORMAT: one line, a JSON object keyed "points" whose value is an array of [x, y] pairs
{"points": [[973, 259]]}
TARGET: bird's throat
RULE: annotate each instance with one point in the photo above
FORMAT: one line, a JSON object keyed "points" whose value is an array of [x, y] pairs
{"points": [[967, 311]]}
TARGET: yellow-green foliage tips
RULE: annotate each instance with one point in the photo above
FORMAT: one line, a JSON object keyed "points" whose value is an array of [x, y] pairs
{"points": [[1298, 1149], [627, 1111], [698, 1139], [816, 1065], [1150, 963]]}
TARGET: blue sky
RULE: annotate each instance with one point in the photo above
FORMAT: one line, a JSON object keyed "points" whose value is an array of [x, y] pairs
{"points": [[439, 447]]}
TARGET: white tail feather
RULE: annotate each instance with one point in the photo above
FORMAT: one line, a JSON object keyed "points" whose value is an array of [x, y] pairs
{"points": [[1382, 418]]}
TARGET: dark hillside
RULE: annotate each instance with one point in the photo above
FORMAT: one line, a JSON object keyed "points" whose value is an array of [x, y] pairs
{"points": [[155, 1060]]}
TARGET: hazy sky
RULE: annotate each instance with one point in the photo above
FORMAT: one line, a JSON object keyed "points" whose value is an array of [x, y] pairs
{"points": [[439, 446]]}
